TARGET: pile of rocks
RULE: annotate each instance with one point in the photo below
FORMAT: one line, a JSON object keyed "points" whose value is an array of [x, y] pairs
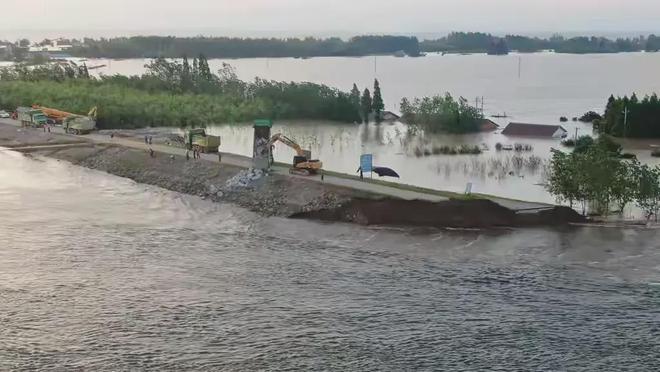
{"points": [[326, 201], [244, 179]]}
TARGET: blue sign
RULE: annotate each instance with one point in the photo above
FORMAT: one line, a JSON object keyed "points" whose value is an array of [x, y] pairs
{"points": [[367, 163]]}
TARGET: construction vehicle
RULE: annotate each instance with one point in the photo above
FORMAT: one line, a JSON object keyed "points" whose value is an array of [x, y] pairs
{"points": [[72, 123], [303, 165], [197, 139], [30, 117]]}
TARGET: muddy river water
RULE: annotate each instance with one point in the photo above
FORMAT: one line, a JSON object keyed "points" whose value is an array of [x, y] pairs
{"points": [[100, 273]]}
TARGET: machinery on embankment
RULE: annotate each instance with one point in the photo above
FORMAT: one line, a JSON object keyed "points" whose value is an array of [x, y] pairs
{"points": [[197, 139], [303, 164], [31, 117], [72, 123]]}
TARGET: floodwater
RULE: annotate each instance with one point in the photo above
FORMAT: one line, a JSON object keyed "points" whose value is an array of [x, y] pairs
{"points": [[549, 86], [100, 273]]}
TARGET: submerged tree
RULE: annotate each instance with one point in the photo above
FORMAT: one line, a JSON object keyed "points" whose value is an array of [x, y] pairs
{"points": [[355, 97], [366, 105], [441, 114], [378, 105]]}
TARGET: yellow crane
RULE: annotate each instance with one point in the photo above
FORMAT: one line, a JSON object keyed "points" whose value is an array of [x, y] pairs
{"points": [[59, 116], [302, 163], [71, 123]]}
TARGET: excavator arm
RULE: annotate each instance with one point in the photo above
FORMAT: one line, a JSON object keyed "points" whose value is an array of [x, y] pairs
{"points": [[287, 141]]}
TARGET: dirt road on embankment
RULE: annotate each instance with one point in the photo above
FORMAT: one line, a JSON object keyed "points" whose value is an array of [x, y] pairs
{"points": [[335, 198]]}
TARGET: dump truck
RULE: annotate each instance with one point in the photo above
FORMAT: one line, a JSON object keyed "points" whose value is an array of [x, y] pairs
{"points": [[30, 117], [79, 124], [72, 123], [197, 139]]}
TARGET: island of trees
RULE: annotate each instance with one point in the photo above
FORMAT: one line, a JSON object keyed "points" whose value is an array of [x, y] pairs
{"points": [[441, 114], [477, 42], [631, 117], [601, 179], [180, 93], [227, 47]]}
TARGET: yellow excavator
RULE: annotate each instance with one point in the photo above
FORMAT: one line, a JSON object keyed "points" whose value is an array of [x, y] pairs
{"points": [[303, 165]]}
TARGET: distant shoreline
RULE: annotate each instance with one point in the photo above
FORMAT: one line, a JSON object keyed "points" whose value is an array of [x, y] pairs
{"points": [[357, 46]]}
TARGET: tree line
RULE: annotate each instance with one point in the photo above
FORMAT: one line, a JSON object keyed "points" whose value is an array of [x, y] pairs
{"points": [[478, 42], [176, 93], [598, 177], [631, 117], [225, 47], [232, 47]]}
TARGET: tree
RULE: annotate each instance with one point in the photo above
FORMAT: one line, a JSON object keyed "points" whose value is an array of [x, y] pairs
{"points": [[648, 190], [624, 187], [561, 178], [441, 114], [355, 97], [583, 144], [366, 105], [378, 104], [186, 76]]}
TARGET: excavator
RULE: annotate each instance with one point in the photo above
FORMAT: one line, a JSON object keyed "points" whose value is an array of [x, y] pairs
{"points": [[72, 123], [303, 165]]}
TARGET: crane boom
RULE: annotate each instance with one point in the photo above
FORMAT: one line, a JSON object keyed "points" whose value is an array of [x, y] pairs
{"points": [[60, 115]]}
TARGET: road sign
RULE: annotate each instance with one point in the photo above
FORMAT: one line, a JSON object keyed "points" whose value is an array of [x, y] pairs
{"points": [[367, 163]]}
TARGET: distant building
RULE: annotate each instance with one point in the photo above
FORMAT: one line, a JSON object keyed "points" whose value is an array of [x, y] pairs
{"points": [[55, 46], [535, 130], [487, 125], [390, 116]]}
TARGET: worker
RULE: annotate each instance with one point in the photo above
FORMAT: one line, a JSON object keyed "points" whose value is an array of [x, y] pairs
{"points": [[150, 139], [322, 175], [45, 128], [219, 157], [187, 155], [146, 140], [48, 127]]}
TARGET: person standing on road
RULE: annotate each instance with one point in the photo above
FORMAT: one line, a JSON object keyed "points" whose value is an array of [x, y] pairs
{"points": [[219, 157], [150, 140], [187, 155], [146, 140]]}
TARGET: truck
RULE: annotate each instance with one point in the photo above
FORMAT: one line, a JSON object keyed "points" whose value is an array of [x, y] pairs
{"points": [[197, 139], [78, 124], [30, 117], [72, 123]]}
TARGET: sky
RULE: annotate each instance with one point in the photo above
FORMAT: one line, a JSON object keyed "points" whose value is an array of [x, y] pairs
{"points": [[325, 17]]}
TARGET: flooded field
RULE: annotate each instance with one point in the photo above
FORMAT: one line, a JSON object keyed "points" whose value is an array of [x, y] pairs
{"points": [[510, 174]]}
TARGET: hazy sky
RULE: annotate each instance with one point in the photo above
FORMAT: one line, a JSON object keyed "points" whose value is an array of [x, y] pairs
{"points": [[326, 16]]}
